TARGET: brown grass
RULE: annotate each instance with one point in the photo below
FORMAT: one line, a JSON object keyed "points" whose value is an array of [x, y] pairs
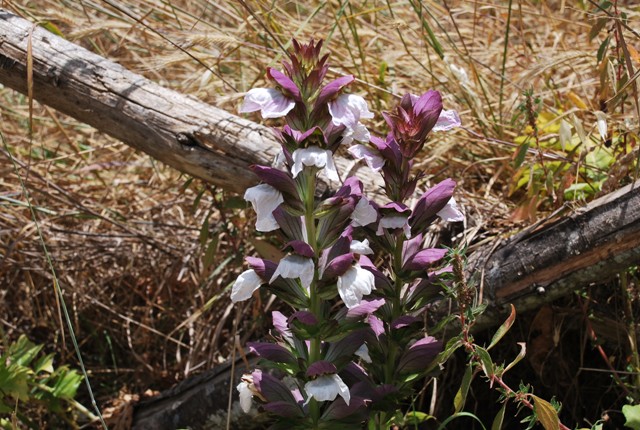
{"points": [[148, 302]]}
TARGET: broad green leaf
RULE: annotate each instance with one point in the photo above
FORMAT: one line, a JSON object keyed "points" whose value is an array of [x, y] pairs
{"points": [[497, 421], [67, 385], [504, 328], [632, 415], [546, 413], [485, 360], [461, 395], [44, 364]]}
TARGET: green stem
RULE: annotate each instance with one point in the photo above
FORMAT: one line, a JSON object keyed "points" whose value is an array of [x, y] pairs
{"points": [[314, 301]]}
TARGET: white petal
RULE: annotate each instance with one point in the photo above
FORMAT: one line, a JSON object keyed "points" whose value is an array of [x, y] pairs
{"points": [[394, 221], [354, 284], [363, 353], [327, 387], [347, 110], [447, 120], [245, 285], [314, 156], [245, 396], [360, 133], [372, 158], [364, 213], [602, 124], [293, 267], [264, 199], [450, 212], [270, 102], [358, 247]]}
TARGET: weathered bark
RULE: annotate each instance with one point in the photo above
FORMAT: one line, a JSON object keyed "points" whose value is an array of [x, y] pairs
{"points": [[542, 264], [181, 131]]}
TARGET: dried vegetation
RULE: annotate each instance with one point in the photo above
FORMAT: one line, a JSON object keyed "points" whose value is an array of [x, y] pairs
{"points": [[144, 256]]}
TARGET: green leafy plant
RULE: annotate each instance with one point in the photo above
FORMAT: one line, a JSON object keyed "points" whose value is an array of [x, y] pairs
{"points": [[29, 381]]}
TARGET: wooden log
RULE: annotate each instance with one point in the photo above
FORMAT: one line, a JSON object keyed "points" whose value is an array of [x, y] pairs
{"points": [[551, 260], [181, 131]]}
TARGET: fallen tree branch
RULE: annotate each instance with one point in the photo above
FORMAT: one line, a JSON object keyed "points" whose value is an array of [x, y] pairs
{"points": [[179, 130]]}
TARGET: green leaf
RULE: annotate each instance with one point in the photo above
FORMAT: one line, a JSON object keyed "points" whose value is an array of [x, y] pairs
{"points": [[461, 395], [632, 415], [546, 413], [210, 253], [414, 418], [599, 25], [485, 361], [497, 421], [67, 385], [602, 49], [44, 364], [52, 28], [504, 328], [521, 154], [521, 354]]}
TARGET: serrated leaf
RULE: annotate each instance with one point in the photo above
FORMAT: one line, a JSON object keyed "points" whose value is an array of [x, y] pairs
{"points": [[521, 354], [504, 328], [632, 416], [485, 361], [546, 413], [461, 395], [498, 420]]}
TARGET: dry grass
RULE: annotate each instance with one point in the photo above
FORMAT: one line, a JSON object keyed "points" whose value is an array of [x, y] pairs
{"points": [[148, 302]]}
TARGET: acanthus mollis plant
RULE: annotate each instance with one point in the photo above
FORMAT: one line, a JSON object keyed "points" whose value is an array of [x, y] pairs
{"points": [[355, 339]]}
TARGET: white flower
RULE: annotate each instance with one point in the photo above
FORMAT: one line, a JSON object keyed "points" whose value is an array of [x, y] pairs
{"points": [[358, 247], [394, 221], [264, 199], [363, 353], [327, 387], [364, 213], [314, 156], [245, 285], [450, 212], [373, 159], [602, 124], [447, 120], [354, 284], [245, 396], [347, 110], [270, 102], [295, 266]]}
